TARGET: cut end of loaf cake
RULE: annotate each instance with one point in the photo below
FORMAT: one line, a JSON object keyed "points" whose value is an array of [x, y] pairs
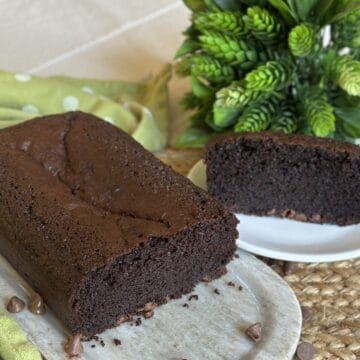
{"points": [[295, 176]]}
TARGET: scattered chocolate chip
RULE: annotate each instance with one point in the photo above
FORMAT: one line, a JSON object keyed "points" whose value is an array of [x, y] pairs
{"points": [[123, 318], [194, 296], [95, 337], [216, 291], [37, 305], [93, 345], [206, 279], [102, 343], [15, 305], [236, 256], [254, 332], [230, 283], [240, 287], [186, 305], [138, 322], [305, 351], [117, 342], [148, 314], [149, 306], [306, 313], [73, 346], [290, 267]]}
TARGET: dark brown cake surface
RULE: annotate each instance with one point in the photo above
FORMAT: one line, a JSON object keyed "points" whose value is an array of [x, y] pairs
{"points": [[99, 226], [296, 176]]}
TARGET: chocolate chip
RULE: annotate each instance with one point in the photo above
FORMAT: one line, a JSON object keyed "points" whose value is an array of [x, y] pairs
{"points": [[138, 322], [93, 345], [186, 305], [102, 343], [305, 351], [117, 342], [148, 314], [240, 288], [206, 279], [254, 332], [216, 291], [73, 346], [236, 256], [230, 283], [194, 296], [149, 306], [123, 318], [37, 305], [306, 313], [290, 267], [15, 305]]}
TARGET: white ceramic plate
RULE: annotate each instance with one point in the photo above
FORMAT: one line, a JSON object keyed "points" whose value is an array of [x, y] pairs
{"points": [[211, 328], [289, 239]]}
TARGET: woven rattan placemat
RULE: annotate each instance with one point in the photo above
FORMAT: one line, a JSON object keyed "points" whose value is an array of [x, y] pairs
{"points": [[330, 290]]}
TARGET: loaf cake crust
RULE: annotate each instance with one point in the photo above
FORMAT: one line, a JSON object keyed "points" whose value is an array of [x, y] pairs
{"points": [[296, 176], [100, 227]]}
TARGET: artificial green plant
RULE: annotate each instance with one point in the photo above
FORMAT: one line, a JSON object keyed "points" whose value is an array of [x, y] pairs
{"points": [[283, 65]]}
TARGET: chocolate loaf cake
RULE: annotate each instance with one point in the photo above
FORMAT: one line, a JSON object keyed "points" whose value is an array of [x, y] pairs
{"points": [[100, 227], [295, 176]]}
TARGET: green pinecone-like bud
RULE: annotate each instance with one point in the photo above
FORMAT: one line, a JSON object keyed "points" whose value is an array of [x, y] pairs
{"points": [[263, 25], [226, 21], [229, 49], [345, 71], [211, 69], [256, 118], [302, 40], [274, 75], [319, 115], [236, 95], [285, 121]]}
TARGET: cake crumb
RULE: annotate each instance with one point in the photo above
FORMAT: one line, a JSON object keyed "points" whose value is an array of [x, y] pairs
{"points": [[117, 342], [93, 345], [216, 291], [240, 287], [185, 305], [102, 343], [236, 256], [148, 314], [194, 296], [138, 322], [230, 283]]}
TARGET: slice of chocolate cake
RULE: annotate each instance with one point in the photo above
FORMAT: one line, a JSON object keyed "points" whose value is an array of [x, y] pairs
{"points": [[100, 227], [295, 176]]}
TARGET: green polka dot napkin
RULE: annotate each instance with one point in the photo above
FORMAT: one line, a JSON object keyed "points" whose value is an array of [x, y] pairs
{"points": [[14, 344], [140, 109]]}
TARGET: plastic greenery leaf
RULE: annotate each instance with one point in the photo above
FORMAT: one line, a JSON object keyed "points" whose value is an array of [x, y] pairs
{"points": [[284, 10], [228, 4], [188, 46], [349, 121], [225, 116], [195, 5], [194, 137], [199, 89], [304, 7], [339, 10]]}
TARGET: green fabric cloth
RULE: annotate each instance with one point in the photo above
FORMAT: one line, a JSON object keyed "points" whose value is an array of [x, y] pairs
{"points": [[14, 344], [140, 109]]}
